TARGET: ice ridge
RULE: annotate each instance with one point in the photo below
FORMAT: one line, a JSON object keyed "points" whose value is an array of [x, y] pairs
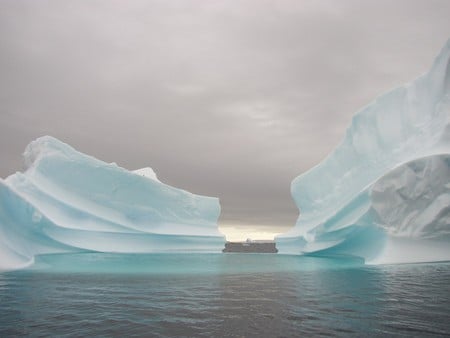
{"points": [[346, 201], [66, 201]]}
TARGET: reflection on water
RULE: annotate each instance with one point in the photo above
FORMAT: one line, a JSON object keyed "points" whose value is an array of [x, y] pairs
{"points": [[223, 295]]}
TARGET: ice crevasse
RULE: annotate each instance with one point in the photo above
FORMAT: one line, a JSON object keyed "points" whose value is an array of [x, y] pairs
{"points": [[66, 202], [383, 194]]}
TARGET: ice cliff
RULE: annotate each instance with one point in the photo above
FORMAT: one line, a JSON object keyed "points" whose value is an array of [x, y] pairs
{"points": [[384, 193], [66, 201]]}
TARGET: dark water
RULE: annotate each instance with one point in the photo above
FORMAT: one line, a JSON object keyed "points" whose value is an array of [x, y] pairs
{"points": [[233, 295]]}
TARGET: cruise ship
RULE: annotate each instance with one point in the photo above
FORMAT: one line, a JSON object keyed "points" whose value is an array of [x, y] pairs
{"points": [[251, 246]]}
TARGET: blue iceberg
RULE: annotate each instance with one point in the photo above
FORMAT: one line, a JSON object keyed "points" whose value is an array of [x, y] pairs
{"points": [[384, 193], [69, 202]]}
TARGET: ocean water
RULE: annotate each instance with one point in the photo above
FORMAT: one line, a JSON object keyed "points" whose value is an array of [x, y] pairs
{"points": [[222, 295]]}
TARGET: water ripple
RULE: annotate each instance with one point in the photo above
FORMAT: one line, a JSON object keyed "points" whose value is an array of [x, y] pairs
{"points": [[365, 301]]}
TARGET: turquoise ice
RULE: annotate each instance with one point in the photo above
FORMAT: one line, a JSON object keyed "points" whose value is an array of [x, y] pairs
{"points": [[384, 193], [67, 202]]}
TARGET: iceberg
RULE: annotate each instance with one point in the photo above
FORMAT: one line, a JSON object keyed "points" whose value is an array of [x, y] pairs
{"points": [[384, 193], [69, 202]]}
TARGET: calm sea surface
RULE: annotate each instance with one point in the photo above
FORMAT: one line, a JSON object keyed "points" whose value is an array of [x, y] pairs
{"points": [[222, 295]]}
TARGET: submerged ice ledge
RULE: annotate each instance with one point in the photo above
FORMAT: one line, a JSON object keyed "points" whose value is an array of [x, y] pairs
{"points": [[383, 193], [66, 201]]}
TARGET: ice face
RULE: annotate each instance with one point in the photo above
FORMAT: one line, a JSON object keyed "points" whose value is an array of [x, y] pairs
{"points": [[66, 201], [344, 208]]}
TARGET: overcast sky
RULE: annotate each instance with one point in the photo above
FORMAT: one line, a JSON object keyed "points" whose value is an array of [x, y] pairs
{"points": [[223, 98]]}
